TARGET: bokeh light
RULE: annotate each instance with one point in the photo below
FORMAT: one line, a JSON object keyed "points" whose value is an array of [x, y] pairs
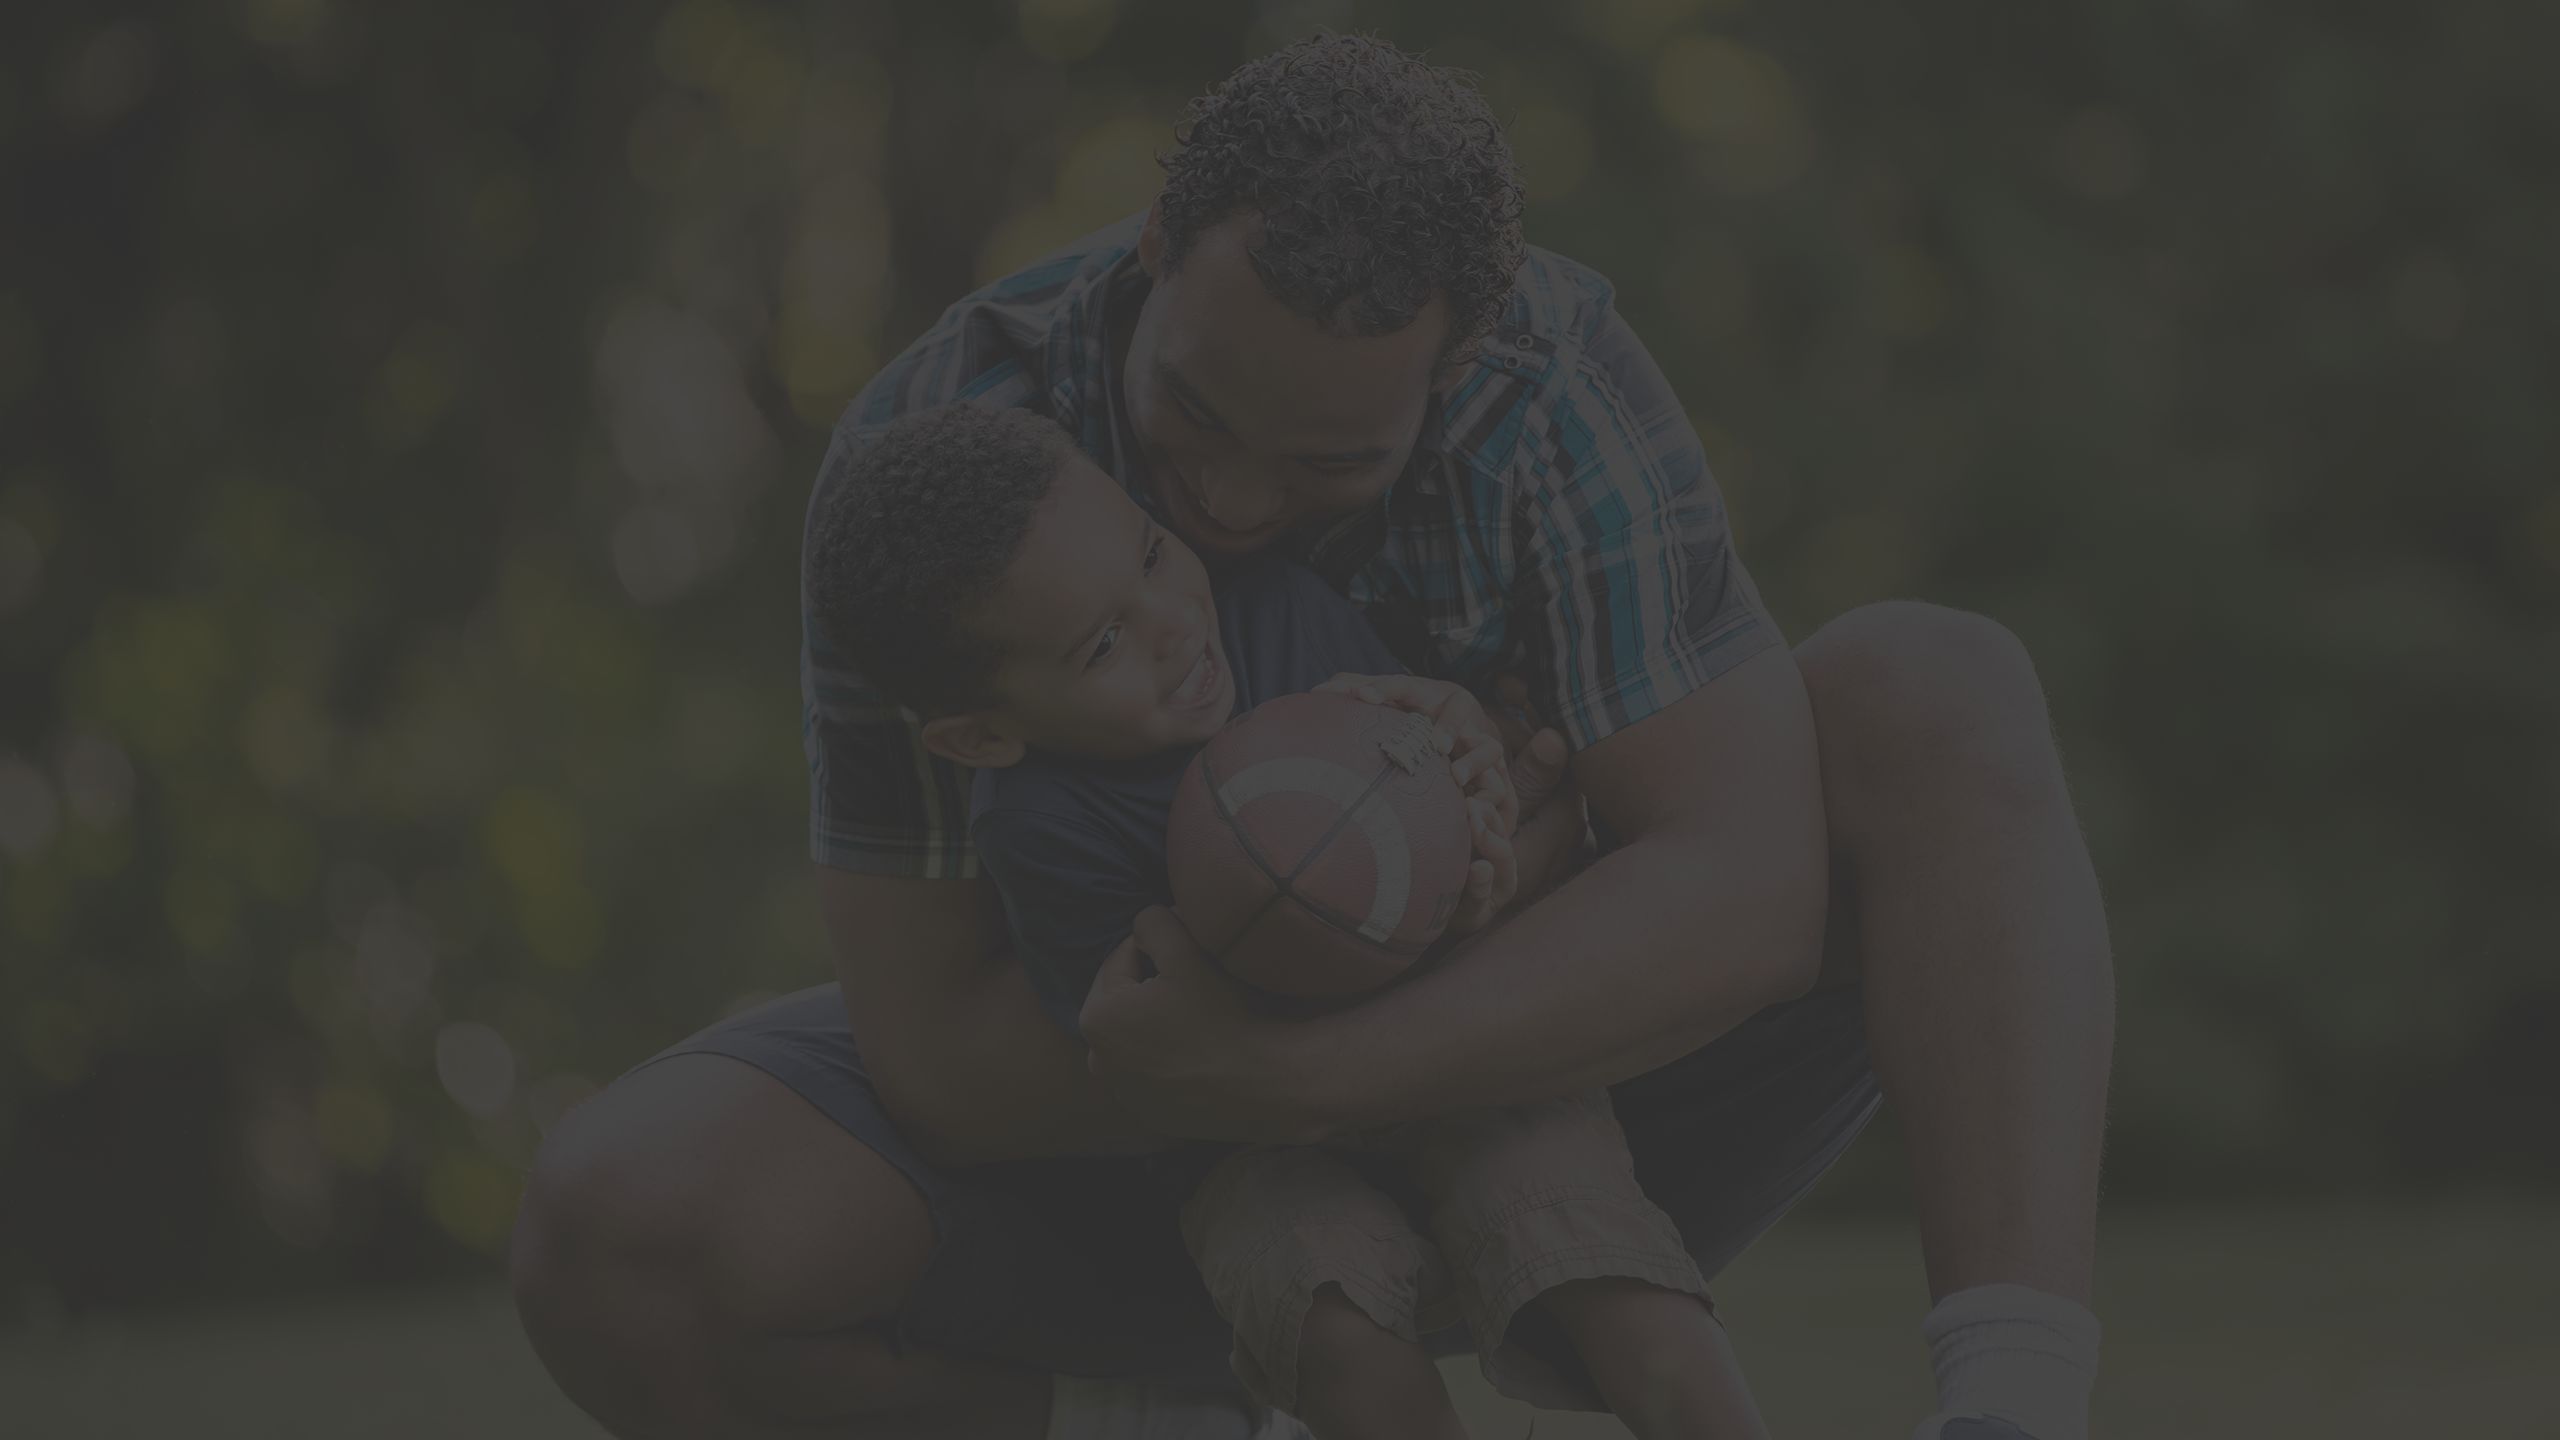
{"points": [[410, 411], [476, 1066], [28, 811]]}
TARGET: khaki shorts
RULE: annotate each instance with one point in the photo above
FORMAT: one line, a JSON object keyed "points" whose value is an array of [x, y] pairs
{"points": [[1518, 1201]]}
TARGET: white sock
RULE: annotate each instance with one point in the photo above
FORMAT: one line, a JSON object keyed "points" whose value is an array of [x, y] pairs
{"points": [[2016, 1354], [1125, 1410]]}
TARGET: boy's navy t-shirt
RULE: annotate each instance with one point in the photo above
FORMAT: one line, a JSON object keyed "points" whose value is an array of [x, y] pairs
{"points": [[1076, 846]]}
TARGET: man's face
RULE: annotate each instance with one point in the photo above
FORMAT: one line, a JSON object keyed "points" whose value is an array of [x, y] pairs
{"points": [[1106, 629], [1253, 419]]}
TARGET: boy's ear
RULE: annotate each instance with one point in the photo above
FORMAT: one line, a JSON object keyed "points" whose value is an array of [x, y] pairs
{"points": [[968, 739]]}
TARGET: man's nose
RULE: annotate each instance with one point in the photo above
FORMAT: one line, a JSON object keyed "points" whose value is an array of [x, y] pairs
{"points": [[1235, 498]]}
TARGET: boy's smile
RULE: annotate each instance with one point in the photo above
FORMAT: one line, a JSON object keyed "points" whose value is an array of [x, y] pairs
{"points": [[1200, 684]]}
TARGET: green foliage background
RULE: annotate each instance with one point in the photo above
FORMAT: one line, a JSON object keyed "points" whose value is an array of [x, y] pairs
{"points": [[408, 411]]}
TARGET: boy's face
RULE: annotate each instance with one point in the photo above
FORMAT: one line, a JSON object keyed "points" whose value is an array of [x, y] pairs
{"points": [[1107, 637]]}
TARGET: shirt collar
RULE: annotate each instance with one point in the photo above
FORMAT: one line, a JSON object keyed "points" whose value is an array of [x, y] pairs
{"points": [[1426, 472]]}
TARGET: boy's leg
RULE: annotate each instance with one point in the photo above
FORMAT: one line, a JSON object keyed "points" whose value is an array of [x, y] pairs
{"points": [[1539, 1203], [1660, 1358], [1358, 1380], [1322, 1278]]}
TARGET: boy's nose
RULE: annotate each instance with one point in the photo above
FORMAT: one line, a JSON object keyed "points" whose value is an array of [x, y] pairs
{"points": [[1181, 629]]}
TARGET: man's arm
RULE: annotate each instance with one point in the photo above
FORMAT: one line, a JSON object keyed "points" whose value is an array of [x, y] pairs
{"points": [[950, 1031], [1705, 768], [1711, 908]]}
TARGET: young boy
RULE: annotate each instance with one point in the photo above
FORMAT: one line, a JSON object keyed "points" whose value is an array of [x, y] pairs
{"points": [[1076, 655]]}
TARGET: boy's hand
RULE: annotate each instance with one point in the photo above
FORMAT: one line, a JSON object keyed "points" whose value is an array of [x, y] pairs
{"points": [[1175, 1045], [1480, 765]]}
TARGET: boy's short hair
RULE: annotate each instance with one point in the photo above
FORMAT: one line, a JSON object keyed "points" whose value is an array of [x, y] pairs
{"points": [[914, 535]]}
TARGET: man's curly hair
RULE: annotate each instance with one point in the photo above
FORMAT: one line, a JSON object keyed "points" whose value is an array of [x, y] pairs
{"points": [[1381, 181], [915, 531]]}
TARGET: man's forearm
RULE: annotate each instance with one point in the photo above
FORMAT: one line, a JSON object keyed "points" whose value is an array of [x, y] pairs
{"points": [[997, 1079], [1650, 953]]}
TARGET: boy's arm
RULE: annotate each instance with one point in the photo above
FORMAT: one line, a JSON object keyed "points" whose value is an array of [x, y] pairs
{"points": [[953, 1037]]}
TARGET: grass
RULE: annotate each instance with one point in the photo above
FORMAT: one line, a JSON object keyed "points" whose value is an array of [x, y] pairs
{"points": [[2339, 1324]]}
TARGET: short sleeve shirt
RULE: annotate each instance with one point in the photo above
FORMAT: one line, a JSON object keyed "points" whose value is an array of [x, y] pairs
{"points": [[1557, 520], [1077, 847]]}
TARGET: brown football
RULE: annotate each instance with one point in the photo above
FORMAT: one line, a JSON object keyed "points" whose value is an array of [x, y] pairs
{"points": [[1318, 845]]}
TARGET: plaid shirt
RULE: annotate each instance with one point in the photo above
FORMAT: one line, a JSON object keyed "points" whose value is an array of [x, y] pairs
{"points": [[1556, 519]]}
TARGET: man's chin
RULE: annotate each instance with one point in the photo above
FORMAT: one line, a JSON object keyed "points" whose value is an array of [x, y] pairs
{"points": [[1190, 520], [1226, 544]]}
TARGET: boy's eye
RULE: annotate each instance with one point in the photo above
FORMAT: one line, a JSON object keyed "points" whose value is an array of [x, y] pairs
{"points": [[1155, 552], [1110, 639]]}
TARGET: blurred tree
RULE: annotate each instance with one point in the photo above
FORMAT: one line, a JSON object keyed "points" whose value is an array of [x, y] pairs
{"points": [[408, 412]]}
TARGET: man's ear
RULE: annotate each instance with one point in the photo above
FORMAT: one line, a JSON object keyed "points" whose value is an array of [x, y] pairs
{"points": [[1151, 242], [1452, 368], [970, 739]]}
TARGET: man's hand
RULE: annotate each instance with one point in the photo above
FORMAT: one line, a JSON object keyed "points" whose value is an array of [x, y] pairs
{"points": [[1478, 761], [1551, 842], [1173, 1044], [1708, 909], [1529, 818]]}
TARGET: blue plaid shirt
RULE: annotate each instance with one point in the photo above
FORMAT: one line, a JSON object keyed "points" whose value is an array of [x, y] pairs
{"points": [[1556, 520]]}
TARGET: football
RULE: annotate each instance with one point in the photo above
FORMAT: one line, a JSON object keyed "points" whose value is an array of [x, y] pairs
{"points": [[1318, 846]]}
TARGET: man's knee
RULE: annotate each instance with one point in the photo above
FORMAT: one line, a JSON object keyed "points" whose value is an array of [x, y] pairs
{"points": [[609, 1191], [685, 1210], [1907, 695]]}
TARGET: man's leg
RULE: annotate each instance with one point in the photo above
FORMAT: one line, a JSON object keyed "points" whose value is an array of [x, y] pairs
{"points": [[1981, 940], [702, 1253]]}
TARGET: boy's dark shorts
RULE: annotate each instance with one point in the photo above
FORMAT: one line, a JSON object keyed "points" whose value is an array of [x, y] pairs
{"points": [[1078, 1266]]}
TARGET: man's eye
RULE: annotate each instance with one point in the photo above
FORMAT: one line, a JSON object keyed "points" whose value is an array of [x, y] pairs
{"points": [[1155, 552], [1110, 639], [1195, 416]]}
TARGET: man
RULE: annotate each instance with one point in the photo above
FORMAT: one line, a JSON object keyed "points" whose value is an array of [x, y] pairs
{"points": [[863, 1213]]}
